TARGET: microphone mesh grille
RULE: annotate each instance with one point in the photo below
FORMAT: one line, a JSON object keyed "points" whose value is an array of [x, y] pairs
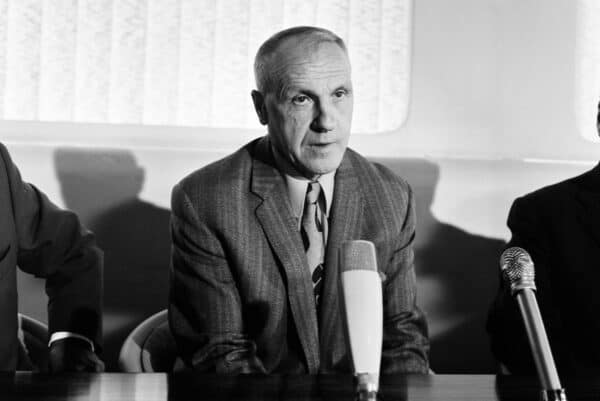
{"points": [[517, 269], [358, 255]]}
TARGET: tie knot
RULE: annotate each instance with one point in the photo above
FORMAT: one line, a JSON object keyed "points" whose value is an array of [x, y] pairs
{"points": [[312, 192]]}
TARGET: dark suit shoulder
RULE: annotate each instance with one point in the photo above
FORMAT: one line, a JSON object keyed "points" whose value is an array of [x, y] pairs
{"points": [[388, 197], [221, 175], [10, 178], [5, 160], [214, 188], [549, 192], [555, 197], [530, 210], [379, 177], [590, 180], [538, 219], [377, 170]]}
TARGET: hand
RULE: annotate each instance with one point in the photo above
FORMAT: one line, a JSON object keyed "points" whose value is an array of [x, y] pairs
{"points": [[73, 355]]}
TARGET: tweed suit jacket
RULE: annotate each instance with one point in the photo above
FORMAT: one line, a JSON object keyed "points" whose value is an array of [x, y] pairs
{"points": [[50, 243], [559, 226], [241, 297]]}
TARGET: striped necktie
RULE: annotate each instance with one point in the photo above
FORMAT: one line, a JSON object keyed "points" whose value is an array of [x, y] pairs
{"points": [[312, 231]]}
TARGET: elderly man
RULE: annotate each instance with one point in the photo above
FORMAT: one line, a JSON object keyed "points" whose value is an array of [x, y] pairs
{"points": [[254, 284], [559, 226], [50, 243]]}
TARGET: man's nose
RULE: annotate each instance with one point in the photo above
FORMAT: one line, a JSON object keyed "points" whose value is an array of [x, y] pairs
{"points": [[325, 119]]}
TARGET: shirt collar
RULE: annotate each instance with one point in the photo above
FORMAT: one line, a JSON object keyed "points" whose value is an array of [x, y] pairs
{"points": [[296, 185], [296, 188]]}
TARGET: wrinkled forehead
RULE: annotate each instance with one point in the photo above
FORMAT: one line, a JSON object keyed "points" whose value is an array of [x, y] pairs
{"points": [[296, 61]]}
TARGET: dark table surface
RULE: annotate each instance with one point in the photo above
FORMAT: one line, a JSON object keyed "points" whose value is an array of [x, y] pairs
{"points": [[157, 386]]}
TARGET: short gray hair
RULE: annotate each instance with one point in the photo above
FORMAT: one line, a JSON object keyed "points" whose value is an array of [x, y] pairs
{"points": [[266, 52]]}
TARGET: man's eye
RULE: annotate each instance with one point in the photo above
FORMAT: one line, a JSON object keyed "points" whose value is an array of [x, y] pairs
{"points": [[301, 99], [340, 93]]}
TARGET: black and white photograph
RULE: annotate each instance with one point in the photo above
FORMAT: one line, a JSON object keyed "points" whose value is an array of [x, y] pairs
{"points": [[299, 200]]}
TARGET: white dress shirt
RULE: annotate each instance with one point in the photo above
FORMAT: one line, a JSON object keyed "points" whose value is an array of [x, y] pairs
{"points": [[297, 185]]}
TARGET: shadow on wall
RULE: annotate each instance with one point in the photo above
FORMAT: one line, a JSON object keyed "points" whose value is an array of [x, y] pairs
{"points": [[457, 275], [103, 186]]}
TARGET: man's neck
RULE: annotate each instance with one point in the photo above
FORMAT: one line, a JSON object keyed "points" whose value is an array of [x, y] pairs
{"points": [[286, 167]]}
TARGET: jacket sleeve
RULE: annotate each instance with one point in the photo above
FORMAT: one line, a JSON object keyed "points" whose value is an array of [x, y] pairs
{"points": [[405, 337], [205, 310], [52, 244], [505, 325]]}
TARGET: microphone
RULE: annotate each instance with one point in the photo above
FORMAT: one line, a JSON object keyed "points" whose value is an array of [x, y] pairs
{"points": [[363, 307], [518, 271]]}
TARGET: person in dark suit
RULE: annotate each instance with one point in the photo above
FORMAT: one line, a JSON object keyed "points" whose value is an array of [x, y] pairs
{"points": [[559, 226], [48, 242], [254, 280]]}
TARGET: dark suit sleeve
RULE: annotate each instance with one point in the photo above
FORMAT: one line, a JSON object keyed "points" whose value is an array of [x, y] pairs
{"points": [[205, 310], [53, 245], [405, 342], [505, 325]]}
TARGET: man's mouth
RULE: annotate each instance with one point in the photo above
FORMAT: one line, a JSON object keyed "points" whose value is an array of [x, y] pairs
{"points": [[322, 144]]}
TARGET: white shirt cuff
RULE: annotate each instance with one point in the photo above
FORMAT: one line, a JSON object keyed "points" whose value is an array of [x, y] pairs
{"points": [[61, 335]]}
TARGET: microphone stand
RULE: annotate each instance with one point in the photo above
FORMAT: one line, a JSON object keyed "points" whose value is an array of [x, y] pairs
{"points": [[518, 271], [551, 388]]}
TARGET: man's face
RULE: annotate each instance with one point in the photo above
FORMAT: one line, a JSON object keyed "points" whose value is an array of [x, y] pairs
{"points": [[310, 112]]}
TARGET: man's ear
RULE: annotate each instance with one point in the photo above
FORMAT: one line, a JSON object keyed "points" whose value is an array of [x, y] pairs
{"points": [[259, 105]]}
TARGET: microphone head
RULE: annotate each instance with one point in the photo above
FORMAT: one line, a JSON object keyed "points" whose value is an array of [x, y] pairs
{"points": [[358, 255], [517, 269], [362, 300]]}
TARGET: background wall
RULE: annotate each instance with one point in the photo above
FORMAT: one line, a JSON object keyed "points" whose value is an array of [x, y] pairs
{"points": [[491, 117]]}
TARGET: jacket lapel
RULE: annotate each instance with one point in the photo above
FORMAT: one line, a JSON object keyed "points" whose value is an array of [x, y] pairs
{"points": [[346, 216], [280, 227]]}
